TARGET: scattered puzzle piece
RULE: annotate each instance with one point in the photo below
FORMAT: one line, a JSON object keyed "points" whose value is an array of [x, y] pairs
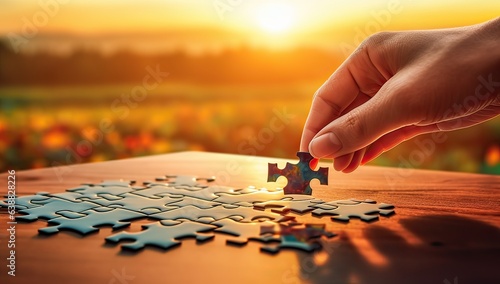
{"points": [[163, 234], [94, 192], [248, 189], [70, 196], [207, 193], [200, 203], [185, 207], [71, 214], [154, 191], [93, 218], [256, 196], [193, 213], [298, 236], [138, 203], [244, 204], [108, 183], [26, 202], [293, 243], [51, 207], [184, 180], [330, 205], [288, 203], [298, 175], [361, 210], [244, 232]]}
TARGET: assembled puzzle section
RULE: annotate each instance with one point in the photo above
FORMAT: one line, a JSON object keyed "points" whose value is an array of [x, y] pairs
{"points": [[188, 206], [299, 175]]}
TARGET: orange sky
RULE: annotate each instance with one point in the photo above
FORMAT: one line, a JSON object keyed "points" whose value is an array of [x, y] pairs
{"points": [[213, 22]]}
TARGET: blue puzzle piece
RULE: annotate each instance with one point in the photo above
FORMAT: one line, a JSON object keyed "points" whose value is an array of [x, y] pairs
{"points": [[362, 210], [290, 202], [163, 234], [194, 213], [138, 203], [184, 180], [51, 207], [93, 218], [25, 202], [293, 243], [94, 192], [119, 182], [206, 193], [299, 236]]}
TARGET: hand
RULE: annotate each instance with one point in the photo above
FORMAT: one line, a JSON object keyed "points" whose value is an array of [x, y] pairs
{"points": [[397, 85]]}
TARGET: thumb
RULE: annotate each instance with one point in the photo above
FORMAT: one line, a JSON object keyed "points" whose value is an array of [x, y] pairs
{"points": [[362, 126]]}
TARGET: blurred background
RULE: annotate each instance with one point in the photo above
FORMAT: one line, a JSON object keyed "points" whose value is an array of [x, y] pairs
{"points": [[87, 80]]}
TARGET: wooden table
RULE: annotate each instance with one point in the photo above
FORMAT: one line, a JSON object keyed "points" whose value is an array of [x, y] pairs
{"points": [[445, 230]]}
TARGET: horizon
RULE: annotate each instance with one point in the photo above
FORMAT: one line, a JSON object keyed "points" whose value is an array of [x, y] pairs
{"points": [[198, 26]]}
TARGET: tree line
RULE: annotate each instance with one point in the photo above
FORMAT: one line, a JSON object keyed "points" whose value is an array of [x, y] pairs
{"points": [[231, 66]]}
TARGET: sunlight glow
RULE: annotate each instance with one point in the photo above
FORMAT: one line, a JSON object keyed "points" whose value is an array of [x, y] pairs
{"points": [[275, 17]]}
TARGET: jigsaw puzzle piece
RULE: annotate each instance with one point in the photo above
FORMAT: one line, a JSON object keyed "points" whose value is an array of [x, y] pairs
{"points": [[154, 191], [184, 180], [299, 175], [330, 205], [248, 189], [292, 243], [207, 193], [244, 204], [95, 192], [119, 182], [193, 213], [138, 203], [200, 203], [252, 197], [69, 196], [51, 207], [26, 202], [243, 232], [294, 203], [326, 206], [116, 218], [163, 234], [111, 197], [362, 210], [71, 214], [302, 232], [211, 189], [299, 236]]}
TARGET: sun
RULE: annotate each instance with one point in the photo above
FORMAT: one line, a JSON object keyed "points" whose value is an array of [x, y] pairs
{"points": [[275, 17]]}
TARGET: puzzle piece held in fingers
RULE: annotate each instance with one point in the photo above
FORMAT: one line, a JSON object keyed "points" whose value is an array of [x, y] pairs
{"points": [[299, 175]]}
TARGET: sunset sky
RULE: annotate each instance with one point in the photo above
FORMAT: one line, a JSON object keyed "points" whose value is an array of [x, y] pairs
{"points": [[210, 23]]}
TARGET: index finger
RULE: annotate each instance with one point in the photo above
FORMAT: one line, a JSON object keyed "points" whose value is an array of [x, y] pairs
{"points": [[330, 100]]}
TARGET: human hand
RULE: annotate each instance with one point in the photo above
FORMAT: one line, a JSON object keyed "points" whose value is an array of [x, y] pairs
{"points": [[398, 85]]}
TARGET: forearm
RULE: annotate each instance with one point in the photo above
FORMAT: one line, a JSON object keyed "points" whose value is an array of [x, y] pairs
{"points": [[489, 33]]}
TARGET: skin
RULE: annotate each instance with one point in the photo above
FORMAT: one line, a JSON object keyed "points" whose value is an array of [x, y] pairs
{"points": [[397, 85]]}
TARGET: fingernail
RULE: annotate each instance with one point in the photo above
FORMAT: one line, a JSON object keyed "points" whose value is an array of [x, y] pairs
{"points": [[325, 145]]}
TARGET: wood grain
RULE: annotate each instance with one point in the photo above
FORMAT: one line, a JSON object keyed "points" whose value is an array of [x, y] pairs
{"points": [[446, 226]]}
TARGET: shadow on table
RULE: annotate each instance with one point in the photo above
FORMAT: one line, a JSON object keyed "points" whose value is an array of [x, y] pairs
{"points": [[452, 250]]}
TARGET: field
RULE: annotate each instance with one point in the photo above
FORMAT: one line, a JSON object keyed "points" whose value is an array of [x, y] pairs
{"points": [[52, 126]]}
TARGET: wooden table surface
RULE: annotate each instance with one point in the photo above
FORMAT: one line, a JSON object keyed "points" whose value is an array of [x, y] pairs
{"points": [[445, 230]]}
